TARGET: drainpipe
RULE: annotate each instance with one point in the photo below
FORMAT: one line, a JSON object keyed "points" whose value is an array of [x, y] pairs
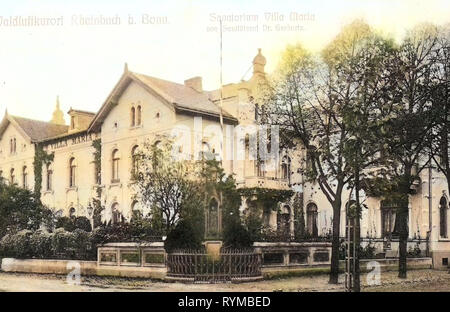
{"points": [[430, 207]]}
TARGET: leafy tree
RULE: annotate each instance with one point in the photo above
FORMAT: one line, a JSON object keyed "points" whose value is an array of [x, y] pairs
{"points": [[166, 185], [408, 123], [20, 210], [316, 100], [441, 104]]}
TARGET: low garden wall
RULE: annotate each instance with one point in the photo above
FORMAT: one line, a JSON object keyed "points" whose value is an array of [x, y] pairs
{"points": [[132, 254], [149, 260], [44, 266], [290, 254], [366, 265]]}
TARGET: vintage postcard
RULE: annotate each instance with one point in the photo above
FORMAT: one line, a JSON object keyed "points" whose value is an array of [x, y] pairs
{"points": [[225, 146]]}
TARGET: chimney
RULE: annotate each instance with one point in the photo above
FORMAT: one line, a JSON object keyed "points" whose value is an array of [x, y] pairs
{"points": [[195, 83]]}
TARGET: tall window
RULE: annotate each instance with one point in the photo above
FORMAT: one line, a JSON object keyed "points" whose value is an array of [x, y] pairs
{"points": [[97, 174], [389, 220], [49, 178], [24, 177], [72, 122], [12, 177], [286, 169], [138, 115], [260, 168], [115, 214], [283, 220], [443, 216], [115, 166], [133, 116], [136, 210], [134, 161], [12, 145], [72, 172], [311, 219]]}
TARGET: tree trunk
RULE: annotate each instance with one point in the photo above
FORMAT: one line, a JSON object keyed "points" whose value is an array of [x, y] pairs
{"points": [[334, 272], [357, 236], [403, 243]]}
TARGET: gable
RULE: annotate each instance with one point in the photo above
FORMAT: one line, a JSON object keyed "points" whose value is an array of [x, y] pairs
{"points": [[151, 105], [13, 132], [180, 97]]}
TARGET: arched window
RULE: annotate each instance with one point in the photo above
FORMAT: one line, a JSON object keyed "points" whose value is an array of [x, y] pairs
{"points": [[133, 116], [11, 146], [139, 115], [49, 178], [134, 161], [72, 212], [136, 210], [206, 152], [115, 214], [443, 217], [72, 172], [12, 177], [115, 166], [212, 218], [24, 177], [311, 219], [14, 146], [286, 169]]}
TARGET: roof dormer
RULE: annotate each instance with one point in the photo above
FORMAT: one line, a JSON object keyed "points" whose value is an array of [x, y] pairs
{"points": [[79, 120]]}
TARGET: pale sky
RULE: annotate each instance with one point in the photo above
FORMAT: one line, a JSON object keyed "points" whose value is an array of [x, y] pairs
{"points": [[82, 63]]}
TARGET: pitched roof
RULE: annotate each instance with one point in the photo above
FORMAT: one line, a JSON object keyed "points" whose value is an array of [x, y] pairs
{"points": [[182, 97], [36, 130]]}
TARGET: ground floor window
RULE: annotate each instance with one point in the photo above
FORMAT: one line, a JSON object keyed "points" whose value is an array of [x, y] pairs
{"points": [[389, 220], [443, 216], [311, 220], [283, 221], [116, 215]]}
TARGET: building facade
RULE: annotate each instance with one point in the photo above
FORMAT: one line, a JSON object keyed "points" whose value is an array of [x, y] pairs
{"points": [[143, 109]]}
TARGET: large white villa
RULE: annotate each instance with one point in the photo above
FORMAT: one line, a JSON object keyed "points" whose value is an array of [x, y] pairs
{"points": [[142, 107]]}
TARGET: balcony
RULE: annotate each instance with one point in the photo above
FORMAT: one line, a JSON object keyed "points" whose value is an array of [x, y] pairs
{"points": [[266, 182]]}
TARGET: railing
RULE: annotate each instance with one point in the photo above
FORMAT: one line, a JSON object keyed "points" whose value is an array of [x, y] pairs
{"points": [[228, 265]]}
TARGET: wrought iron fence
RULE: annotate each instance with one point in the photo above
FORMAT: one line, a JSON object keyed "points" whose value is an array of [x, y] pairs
{"points": [[228, 265]]}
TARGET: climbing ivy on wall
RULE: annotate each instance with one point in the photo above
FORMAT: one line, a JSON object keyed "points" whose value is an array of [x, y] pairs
{"points": [[268, 198], [40, 157], [299, 216], [97, 145]]}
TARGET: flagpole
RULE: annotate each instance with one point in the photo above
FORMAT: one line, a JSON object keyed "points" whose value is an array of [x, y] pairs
{"points": [[221, 77]]}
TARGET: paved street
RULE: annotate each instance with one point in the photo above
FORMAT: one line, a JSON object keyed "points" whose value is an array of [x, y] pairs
{"points": [[421, 280]]}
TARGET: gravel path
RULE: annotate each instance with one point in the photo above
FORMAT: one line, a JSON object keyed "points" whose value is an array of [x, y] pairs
{"points": [[420, 280]]}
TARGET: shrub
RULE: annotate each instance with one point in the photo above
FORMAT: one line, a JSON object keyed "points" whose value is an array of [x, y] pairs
{"points": [[73, 223], [236, 235], [16, 245], [183, 236], [66, 223], [62, 243], [82, 223], [41, 245]]}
